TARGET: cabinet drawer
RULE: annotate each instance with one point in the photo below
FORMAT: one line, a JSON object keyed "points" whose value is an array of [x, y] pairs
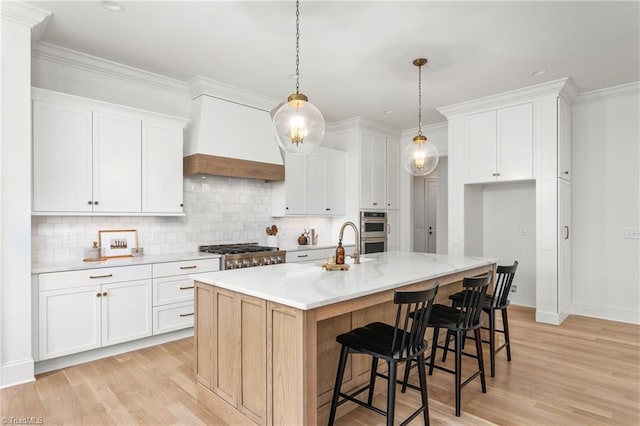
{"points": [[172, 290], [185, 267], [70, 279], [172, 317], [309, 255]]}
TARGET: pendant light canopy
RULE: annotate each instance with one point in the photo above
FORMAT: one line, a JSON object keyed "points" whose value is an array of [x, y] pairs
{"points": [[420, 157], [298, 125]]}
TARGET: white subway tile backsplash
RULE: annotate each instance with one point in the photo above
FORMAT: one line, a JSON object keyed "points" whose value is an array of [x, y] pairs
{"points": [[218, 210]]}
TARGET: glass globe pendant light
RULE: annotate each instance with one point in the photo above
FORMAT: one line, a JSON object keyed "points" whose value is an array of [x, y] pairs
{"points": [[420, 158], [298, 125]]}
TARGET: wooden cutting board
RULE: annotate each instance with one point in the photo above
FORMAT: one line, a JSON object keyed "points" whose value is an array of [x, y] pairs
{"points": [[335, 267]]}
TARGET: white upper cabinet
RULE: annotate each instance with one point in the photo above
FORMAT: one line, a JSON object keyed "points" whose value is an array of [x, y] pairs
{"points": [[116, 163], [564, 140], [393, 174], [161, 173], [62, 164], [500, 144], [379, 171], [90, 157], [313, 184]]}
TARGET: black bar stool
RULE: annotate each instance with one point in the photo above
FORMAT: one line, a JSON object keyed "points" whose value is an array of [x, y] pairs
{"points": [[459, 321], [395, 344], [499, 301]]}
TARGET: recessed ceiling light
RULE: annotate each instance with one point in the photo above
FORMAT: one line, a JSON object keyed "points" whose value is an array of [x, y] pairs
{"points": [[388, 111], [538, 72], [112, 6]]}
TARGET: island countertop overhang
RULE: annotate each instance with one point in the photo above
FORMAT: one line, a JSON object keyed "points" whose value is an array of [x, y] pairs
{"points": [[309, 286]]}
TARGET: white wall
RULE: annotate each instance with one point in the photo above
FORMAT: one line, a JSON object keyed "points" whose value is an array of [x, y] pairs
{"points": [[16, 362], [605, 201], [509, 221]]}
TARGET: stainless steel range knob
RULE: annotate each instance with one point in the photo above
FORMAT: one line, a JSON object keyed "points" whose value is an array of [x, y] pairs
{"points": [[236, 264], [255, 262], [229, 265], [267, 261], [246, 263]]}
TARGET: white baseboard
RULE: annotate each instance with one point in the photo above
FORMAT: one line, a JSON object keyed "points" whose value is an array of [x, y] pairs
{"points": [[549, 317], [605, 312], [82, 357], [16, 373]]}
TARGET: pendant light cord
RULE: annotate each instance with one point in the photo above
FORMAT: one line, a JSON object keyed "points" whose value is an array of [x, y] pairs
{"points": [[297, 46], [420, 100]]}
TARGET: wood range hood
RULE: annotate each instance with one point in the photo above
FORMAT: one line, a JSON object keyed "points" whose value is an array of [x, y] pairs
{"points": [[229, 138]]}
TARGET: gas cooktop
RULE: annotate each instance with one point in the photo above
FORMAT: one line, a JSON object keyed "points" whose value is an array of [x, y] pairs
{"points": [[246, 255]]}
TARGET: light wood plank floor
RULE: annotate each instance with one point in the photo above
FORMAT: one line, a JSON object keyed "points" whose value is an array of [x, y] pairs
{"points": [[586, 371]]}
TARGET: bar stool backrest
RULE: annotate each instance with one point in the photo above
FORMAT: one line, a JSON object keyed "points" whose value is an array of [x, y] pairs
{"points": [[504, 279], [414, 309], [475, 291]]}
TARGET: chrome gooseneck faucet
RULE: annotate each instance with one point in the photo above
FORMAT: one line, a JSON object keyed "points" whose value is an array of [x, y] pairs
{"points": [[356, 252]]}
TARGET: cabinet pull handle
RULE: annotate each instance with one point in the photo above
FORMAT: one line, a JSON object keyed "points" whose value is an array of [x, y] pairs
{"points": [[93, 277], [375, 204], [90, 202], [566, 172], [567, 229], [388, 228], [95, 203], [328, 209], [104, 294], [186, 315], [186, 288], [181, 205], [98, 294], [189, 267], [303, 255]]}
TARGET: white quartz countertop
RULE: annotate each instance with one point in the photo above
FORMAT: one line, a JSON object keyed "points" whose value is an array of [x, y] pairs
{"points": [[79, 264], [308, 285]]}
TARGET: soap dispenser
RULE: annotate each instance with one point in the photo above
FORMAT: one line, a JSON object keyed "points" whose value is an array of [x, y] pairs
{"points": [[340, 254]]}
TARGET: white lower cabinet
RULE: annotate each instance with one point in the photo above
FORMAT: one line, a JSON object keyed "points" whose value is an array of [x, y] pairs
{"points": [[93, 308], [88, 309], [173, 293]]}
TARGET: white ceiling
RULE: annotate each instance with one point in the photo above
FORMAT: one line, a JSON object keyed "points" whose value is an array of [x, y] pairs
{"points": [[356, 56]]}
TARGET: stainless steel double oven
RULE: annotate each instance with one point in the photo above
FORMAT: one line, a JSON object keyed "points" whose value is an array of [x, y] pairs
{"points": [[373, 229]]}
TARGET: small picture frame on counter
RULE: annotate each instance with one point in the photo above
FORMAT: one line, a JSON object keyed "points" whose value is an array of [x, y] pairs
{"points": [[118, 242]]}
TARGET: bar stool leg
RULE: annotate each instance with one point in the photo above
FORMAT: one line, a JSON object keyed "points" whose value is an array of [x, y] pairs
{"points": [[423, 388], [434, 346], [492, 340], [407, 370], [336, 390], [458, 369], [505, 327], [391, 393], [480, 359], [372, 378], [447, 340]]}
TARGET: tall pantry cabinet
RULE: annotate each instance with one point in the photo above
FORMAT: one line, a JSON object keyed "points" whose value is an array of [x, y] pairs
{"points": [[522, 135]]}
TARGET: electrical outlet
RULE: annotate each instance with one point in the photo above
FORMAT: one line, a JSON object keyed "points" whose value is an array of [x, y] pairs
{"points": [[69, 240], [514, 289], [523, 232], [633, 234]]}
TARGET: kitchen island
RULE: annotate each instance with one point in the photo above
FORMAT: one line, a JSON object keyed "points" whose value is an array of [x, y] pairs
{"points": [[265, 337]]}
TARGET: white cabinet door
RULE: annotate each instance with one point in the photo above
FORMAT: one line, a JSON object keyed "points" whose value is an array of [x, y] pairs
{"points": [[315, 182], [393, 230], [515, 143], [126, 311], [564, 245], [393, 174], [116, 163], [372, 171], [481, 149], [161, 168], [69, 321], [61, 158], [295, 184], [564, 140], [335, 174]]}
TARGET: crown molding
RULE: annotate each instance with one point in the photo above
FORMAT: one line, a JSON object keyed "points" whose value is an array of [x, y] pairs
{"points": [[359, 123], [427, 128], [349, 124], [52, 53], [22, 13], [562, 87], [608, 92], [200, 85], [374, 127]]}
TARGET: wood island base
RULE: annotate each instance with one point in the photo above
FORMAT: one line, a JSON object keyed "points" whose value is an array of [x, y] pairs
{"points": [[263, 363]]}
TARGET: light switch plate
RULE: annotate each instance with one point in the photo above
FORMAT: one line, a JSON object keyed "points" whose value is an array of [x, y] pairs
{"points": [[633, 234]]}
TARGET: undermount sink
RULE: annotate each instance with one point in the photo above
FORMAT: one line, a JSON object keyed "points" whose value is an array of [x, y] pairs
{"points": [[349, 260]]}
